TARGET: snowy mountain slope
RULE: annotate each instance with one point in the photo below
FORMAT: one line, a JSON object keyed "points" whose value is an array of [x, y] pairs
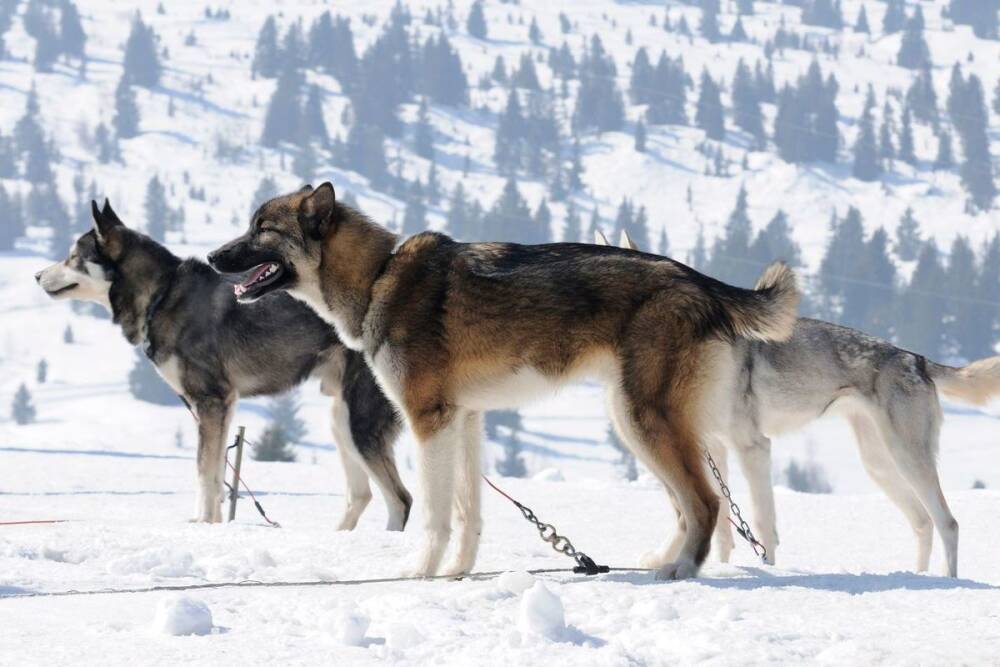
{"points": [[110, 463]]}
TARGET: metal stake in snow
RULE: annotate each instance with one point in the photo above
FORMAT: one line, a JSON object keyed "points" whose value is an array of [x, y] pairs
{"points": [[235, 486]]}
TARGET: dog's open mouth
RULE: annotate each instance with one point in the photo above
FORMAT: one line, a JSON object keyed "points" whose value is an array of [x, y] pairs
{"points": [[66, 288], [258, 278]]}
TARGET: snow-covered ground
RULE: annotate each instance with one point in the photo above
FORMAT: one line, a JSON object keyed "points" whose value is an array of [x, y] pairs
{"points": [[109, 466]]}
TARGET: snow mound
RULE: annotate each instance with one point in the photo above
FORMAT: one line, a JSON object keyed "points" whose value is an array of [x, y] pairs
{"points": [[655, 609], [158, 561], [515, 582], [549, 475], [401, 636], [348, 625], [180, 615], [542, 613]]}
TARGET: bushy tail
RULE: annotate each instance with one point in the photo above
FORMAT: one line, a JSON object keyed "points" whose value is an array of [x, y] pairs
{"points": [[767, 312], [976, 383]]}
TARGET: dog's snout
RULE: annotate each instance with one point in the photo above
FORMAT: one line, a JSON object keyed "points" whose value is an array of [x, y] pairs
{"points": [[212, 257], [38, 277]]}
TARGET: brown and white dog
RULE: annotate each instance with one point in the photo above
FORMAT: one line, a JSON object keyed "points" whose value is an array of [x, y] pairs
{"points": [[453, 329]]}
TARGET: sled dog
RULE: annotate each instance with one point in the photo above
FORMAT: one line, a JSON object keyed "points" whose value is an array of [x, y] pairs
{"points": [[453, 329], [212, 351], [888, 395]]}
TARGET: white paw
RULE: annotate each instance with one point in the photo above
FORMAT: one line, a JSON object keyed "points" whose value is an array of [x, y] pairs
{"points": [[677, 571]]}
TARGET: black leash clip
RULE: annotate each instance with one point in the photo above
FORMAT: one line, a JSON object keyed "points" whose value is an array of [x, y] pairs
{"points": [[588, 566]]}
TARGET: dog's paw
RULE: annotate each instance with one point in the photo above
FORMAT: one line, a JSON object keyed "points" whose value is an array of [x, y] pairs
{"points": [[456, 570], [677, 571]]}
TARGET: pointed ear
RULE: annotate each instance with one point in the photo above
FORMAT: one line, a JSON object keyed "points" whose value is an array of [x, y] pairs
{"points": [[316, 211], [600, 238], [626, 241], [104, 220]]}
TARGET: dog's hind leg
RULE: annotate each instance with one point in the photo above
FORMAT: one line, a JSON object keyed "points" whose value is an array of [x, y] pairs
{"points": [[468, 517], [754, 453], [673, 456], [358, 493], [912, 440], [882, 469], [214, 415]]}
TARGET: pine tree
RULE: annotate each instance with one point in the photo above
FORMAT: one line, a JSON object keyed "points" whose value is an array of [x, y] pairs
{"points": [[266, 189], [895, 17], [156, 209], [145, 383], [304, 164], [730, 258], [775, 242], [960, 283], [68, 337], [861, 26], [825, 13], [313, 124], [23, 410], [572, 231], [72, 38], [415, 215], [142, 62], [456, 223], [272, 445], [641, 84], [709, 115], [873, 303], [499, 73], [886, 146], [476, 23], [423, 136], [921, 306], [842, 260], [47, 46], [126, 118], [283, 411], [293, 48], [267, 55], [921, 98], [746, 105], [525, 76], [42, 371], [542, 220], [599, 103], [284, 113], [710, 19], [510, 219], [11, 220], [908, 241], [980, 14], [508, 149], [866, 159], [640, 136], [913, 50], [981, 323], [745, 7], [976, 169], [534, 32], [906, 151], [365, 151]]}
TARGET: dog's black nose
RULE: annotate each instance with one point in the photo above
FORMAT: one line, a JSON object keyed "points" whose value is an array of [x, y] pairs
{"points": [[212, 256], [38, 277]]}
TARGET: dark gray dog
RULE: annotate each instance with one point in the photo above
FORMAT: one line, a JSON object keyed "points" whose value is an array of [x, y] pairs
{"points": [[212, 351]]}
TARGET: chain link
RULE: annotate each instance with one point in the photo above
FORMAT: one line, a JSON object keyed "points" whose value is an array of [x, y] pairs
{"points": [[743, 528], [560, 543]]}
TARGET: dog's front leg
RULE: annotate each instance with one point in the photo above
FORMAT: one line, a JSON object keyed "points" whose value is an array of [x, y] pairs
{"points": [[438, 438], [214, 415], [468, 517]]}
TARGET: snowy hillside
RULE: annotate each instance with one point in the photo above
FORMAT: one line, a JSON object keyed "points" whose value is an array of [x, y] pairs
{"points": [[122, 471]]}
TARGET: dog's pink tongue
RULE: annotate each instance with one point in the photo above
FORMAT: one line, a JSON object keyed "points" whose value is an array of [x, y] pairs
{"points": [[256, 275]]}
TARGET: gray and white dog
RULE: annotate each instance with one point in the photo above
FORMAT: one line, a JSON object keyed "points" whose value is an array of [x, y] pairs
{"points": [[212, 351], [888, 395]]}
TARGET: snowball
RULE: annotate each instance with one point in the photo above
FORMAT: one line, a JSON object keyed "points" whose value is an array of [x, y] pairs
{"points": [[549, 475], [515, 582], [349, 625], [402, 635], [181, 615], [542, 613]]}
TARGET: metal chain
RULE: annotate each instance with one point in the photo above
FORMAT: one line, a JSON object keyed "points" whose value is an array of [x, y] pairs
{"points": [[743, 528], [548, 533]]}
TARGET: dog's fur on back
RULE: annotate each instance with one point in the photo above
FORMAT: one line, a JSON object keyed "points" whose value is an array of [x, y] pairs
{"points": [[452, 329], [212, 350]]}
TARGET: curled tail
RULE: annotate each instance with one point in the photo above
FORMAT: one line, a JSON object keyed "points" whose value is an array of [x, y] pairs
{"points": [[976, 383], [767, 312]]}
